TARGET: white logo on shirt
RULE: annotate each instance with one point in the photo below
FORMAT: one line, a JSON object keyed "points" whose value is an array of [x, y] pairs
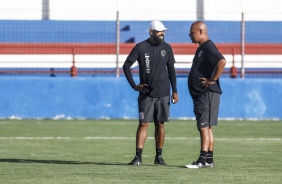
{"points": [[147, 62], [200, 54], [163, 52]]}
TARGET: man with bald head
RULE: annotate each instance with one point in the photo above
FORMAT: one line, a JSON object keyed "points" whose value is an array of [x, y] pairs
{"points": [[204, 88]]}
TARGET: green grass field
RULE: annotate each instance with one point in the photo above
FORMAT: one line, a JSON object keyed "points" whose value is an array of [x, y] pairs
{"points": [[97, 151]]}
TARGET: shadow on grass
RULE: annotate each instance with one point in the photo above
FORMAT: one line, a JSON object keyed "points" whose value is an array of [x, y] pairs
{"points": [[73, 162], [56, 162]]}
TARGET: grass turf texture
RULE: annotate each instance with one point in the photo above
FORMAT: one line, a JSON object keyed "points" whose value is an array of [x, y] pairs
{"points": [[97, 151]]}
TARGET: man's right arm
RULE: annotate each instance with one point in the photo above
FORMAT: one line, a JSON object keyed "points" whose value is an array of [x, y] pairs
{"points": [[127, 72]]}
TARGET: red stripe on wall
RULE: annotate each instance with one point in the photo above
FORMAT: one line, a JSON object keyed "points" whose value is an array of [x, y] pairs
{"points": [[54, 48]]}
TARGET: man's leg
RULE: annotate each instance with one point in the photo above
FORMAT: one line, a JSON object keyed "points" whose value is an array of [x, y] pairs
{"points": [[201, 110], [205, 143], [205, 138], [159, 142], [209, 161], [141, 135], [214, 108], [211, 139], [159, 135]]}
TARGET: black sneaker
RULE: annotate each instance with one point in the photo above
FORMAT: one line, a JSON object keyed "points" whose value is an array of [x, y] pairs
{"points": [[159, 160], [135, 161]]}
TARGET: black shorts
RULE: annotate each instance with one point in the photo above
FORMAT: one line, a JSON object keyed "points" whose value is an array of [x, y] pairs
{"points": [[206, 109], [153, 109]]}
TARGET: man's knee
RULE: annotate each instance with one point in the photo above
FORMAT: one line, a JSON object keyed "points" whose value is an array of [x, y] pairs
{"points": [[143, 125], [159, 125], [204, 130]]}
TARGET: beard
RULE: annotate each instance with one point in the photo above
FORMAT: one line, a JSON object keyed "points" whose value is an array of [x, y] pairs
{"points": [[158, 40]]}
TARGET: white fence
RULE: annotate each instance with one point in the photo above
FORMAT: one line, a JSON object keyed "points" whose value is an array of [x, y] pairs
{"points": [[261, 10]]}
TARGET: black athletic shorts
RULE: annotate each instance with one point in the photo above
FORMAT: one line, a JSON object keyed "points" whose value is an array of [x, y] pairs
{"points": [[153, 109], [206, 109]]}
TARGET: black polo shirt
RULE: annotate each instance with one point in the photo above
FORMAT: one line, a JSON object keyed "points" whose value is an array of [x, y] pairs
{"points": [[156, 67], [205, 60]]}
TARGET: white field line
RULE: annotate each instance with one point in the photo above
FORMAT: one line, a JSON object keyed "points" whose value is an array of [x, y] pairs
{"points": [[129, 138], [32, 138]]}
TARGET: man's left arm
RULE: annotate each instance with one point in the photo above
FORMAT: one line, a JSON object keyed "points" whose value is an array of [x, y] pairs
{"points": [[172, 78], [205, 82], [218, 69]]}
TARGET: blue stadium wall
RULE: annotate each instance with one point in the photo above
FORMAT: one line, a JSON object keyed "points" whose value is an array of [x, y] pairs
{"points": [[112, 98], [48, 31]]}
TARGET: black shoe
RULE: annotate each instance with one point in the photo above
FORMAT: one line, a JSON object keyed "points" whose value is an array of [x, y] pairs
{"points": [[135, 161], [159, 160]]}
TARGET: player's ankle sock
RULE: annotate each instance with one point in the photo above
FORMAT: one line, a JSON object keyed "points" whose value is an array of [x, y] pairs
{"points": [[159, 152], [210, 157], [202, 158], [139, 152]]}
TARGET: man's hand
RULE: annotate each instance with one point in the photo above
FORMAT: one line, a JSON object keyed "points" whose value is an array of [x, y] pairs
{"points": [[205, 82], [174, 98], [141, 88]]}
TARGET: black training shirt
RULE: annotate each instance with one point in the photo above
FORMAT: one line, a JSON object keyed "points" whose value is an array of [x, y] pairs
{"points": [[205, 60], [156, 67]]}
